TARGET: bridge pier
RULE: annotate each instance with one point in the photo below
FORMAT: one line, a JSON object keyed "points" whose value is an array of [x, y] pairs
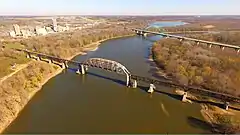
{"points": [[138, 32], [151, 88], [78, 71], [197, 43], [238, 51], [86, 68], [38, 58], [226, 105], [65, 64], [222, 48], [181, 39], [28, 55], [210, 46], [184, 97], [82, 70], [127, 81], [134, 84], [49, 61]]}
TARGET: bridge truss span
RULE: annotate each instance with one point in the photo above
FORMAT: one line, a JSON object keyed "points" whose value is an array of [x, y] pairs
{"points": [[108, 65]]}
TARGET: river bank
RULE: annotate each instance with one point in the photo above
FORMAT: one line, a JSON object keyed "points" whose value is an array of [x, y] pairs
{"points": [[216, 118], [9, 114]]}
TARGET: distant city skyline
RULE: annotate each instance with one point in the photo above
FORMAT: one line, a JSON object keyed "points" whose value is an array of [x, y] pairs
{"points": [[119, 7]]}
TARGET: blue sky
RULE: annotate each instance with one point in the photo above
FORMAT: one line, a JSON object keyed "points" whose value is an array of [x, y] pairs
{"points": [[119, 7]]}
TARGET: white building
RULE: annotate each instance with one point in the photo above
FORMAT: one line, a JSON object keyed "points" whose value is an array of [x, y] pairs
{"points": [[27, 33], [12, 34], [55, 27], [41, 31], [17, 30]]}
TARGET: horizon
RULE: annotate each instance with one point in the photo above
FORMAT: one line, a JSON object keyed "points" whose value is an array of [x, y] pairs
{"points": [[118, 7], [112, 15]]}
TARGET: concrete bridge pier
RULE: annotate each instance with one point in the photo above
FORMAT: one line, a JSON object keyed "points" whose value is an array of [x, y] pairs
{"points": [[65, 64], [144, 34], [222, 48], [38, 58], [28, 55], [238, 51], [184, 97], [138, 32], [127, 81], [49, 61], [198, 43], [181, 39], [86, 68], [210, 46], [78, 71], [151, 88], [134, 84], [226, 105], [83, 70]]}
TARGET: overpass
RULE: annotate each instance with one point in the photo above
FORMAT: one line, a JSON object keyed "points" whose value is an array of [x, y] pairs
{"points": [[181, 38], [131, 80]]}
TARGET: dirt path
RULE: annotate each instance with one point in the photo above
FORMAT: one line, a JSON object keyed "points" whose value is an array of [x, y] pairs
{"points": [[18, 68]]}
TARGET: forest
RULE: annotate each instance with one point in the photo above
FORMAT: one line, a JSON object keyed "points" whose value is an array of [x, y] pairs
{"points": [[198, 66]]}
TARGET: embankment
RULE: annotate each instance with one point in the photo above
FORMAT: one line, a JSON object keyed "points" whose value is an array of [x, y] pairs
{"points": [[18, 89]]}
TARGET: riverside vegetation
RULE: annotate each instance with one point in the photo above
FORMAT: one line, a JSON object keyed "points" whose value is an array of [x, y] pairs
{"points": [[17, 90], [199, 66]]}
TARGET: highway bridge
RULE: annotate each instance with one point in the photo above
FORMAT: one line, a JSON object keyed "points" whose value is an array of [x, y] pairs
{"points": [[181, 38], [131, 80]]}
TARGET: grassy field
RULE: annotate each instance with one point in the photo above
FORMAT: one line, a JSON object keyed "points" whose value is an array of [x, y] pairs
{"points": [[9, 57]]}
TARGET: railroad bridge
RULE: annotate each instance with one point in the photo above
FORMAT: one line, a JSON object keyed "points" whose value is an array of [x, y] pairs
{"points": [[131, 80]]}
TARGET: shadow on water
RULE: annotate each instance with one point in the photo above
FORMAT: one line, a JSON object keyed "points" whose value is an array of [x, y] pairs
{"points": [[145, 88], [108, 78], [210, 127], [149, 39], [220, 105], [213, 103], [197, 123], [174, 96], [100, 76]]}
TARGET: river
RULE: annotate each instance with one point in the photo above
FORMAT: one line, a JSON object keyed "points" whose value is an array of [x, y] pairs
{"points": [[99, 102]]}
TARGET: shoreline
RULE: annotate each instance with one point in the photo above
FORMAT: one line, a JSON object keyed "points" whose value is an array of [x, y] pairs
{"points": [[89, 47], [207, 111]]}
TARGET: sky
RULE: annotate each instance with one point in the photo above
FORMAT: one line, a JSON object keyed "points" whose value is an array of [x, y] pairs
{"points": [[119, 7]]}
